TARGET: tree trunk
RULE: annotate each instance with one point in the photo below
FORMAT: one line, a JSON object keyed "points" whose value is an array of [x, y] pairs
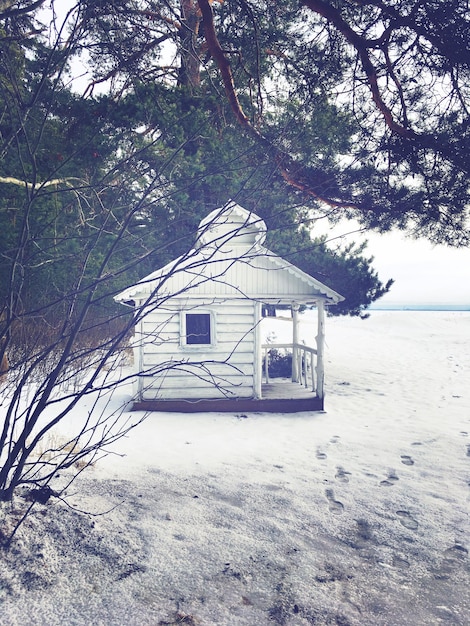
{"points": [[190, 70]]}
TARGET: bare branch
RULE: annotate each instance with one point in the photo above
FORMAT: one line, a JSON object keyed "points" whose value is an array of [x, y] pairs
{"points": [[11, 180]]}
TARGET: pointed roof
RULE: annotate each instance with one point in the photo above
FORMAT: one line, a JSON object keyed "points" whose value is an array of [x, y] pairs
{"points": [[231, 223], [229, 261]]}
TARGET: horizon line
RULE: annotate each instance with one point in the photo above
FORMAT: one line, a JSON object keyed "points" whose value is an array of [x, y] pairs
{"points": [[446, 306]]}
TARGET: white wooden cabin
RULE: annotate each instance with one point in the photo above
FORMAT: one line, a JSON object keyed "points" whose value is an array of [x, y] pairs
{"points": [[197, 343]]}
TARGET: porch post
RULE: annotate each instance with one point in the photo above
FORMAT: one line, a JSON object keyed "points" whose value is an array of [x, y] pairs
{"points": [[257, 356], [295, 340], [320, 339], [139, 348]]}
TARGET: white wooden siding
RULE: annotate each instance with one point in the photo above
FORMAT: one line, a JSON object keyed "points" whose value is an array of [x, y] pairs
{"points": [[233, 272], [258, 275], [225, 369]]}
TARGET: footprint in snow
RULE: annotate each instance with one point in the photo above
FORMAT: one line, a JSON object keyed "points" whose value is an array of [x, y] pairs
{"points": [[342, 475], [400, 562], [454, 557], [407, 460], [407, 520], [389, 481], [321, 455], [335, 506]]}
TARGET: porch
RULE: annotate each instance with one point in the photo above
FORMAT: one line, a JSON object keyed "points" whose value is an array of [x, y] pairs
{"points": [[299, 364]]}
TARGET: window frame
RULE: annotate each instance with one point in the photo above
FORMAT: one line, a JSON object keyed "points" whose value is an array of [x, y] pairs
{"points": [[183, 329]]}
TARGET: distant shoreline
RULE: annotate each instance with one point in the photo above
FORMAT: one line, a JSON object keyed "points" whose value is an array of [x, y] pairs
{"points": [[419, 307]]}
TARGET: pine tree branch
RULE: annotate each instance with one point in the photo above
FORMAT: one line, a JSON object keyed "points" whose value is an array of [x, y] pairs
{"points": [[362, 46], [313, 183], [7, 11], [223, 64]]}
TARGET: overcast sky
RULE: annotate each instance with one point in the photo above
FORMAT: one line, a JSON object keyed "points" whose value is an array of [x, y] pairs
{"points": [[424, 274]]}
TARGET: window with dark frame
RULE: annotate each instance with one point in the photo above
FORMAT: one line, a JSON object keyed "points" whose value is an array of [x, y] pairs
{"points": [[198, 329]]}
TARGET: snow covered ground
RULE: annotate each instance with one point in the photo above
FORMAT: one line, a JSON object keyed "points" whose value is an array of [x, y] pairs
{"points": [[357, 516]]}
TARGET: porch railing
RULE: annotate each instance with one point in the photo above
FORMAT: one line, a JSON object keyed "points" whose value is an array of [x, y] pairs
{"points": [[303, 362]]}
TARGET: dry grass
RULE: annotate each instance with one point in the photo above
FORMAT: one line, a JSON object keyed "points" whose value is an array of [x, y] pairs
{"points": [[55, 446]]}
